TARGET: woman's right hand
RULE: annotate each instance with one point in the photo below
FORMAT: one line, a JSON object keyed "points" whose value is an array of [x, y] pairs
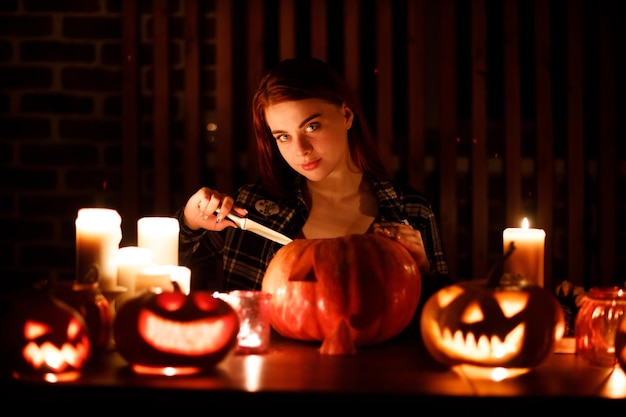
{"points": [[207, 209]]}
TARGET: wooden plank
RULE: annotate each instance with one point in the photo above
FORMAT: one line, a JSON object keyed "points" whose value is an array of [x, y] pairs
{"points": [[415, 93], [255, 67], [224, 169], [512, 117], [575, 153], [161, 109], [607, 161], [130, 122], [287, 29], [351, 28], [545, 132], [448, 200], [319, 29], [384, 83], [191, 140], [479, 178]]}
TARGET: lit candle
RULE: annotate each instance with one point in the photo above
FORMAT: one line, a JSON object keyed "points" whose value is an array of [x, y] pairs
{"points": [[253, 308], [98, 236], [160, 235], [527, 258]]}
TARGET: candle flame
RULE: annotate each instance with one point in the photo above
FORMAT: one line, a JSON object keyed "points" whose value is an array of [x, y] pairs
{"points": [[525, 224]]}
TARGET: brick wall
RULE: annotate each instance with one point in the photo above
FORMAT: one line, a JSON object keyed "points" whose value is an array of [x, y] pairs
{"points": [[60, 125]]}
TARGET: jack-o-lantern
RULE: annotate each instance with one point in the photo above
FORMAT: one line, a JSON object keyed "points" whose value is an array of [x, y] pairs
{"points": [[347, 292], [173, 333], [44, 338], [509, 324]]}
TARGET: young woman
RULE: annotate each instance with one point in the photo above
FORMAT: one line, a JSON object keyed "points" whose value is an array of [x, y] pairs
{"points": [[320, 177]]}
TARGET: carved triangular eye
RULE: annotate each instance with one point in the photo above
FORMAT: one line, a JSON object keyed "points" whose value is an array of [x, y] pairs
{"points": [[473, 313], [512, 302], [34, 329]]}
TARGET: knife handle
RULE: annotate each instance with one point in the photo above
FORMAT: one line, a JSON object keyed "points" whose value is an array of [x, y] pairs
{"points": [[239, 221]]}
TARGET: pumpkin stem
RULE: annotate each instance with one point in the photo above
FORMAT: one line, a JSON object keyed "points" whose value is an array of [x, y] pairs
{"points": [[496, 271], [339, 341]]}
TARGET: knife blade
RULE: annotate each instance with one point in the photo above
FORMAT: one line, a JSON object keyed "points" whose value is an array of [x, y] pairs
{"points": [[250, 225]]}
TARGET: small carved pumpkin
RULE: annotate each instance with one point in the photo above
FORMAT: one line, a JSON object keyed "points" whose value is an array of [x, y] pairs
{"points": [[44, 338], [513, 324], [349, 291], [174, 332]]}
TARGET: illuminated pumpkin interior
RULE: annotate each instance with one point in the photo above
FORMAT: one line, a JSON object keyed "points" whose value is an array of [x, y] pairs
{"points": [[475, 340], [190, 337], [48, 357]]}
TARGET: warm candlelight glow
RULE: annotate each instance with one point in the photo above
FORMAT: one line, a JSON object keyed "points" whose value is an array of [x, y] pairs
{"points": [[254, 323], [98, 235], [527, 259]]}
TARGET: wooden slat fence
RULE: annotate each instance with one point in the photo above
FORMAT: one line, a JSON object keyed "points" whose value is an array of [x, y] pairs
{"points": [[484, 105]]}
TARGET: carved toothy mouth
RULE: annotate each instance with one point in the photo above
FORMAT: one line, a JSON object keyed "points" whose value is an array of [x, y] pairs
{"points": [[487, 350], [189, 338]]}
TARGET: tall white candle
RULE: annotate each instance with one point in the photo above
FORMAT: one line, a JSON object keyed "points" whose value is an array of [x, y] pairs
{"points": [[527, 259], [98, 236], [160, 235]]}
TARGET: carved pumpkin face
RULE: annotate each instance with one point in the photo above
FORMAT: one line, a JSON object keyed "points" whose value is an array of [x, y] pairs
{"points": [[349, 291], [185, 333], [45, 339], [510, 326]]}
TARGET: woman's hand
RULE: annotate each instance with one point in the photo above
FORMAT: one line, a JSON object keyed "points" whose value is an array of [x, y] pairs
{"points": [[207, 209], [408, 237]]}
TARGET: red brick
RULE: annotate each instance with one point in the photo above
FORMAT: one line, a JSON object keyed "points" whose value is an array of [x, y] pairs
{"points": [[56, 104], [92, 27], [91, 79], [58, 154], [25, 127], [57, 52], [61, 5], [25, 25], [18, 77]]}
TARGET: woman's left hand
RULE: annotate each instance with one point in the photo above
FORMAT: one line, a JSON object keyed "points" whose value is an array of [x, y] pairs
{"points": [[408, 237]]}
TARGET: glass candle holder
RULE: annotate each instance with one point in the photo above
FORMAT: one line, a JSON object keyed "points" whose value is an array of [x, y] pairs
{"points": [[253, 309], [597, 323]]}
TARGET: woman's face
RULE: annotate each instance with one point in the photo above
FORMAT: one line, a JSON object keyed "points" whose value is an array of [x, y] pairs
{"points": [[312, 136]]}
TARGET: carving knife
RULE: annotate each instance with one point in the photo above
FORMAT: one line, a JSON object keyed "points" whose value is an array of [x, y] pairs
{"points": [[250, 225]]}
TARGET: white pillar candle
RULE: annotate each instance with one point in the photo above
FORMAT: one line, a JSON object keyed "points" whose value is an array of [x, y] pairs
{"points": [[182, 276], [154, 278], [130, 261], [528, 257], [98, 236], [160, 235]]}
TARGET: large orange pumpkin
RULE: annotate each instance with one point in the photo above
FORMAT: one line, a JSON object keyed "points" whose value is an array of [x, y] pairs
{"points": [[347, 292]]}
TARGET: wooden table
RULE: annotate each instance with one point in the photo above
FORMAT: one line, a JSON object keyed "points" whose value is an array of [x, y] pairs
{"points": [[294, 378]]}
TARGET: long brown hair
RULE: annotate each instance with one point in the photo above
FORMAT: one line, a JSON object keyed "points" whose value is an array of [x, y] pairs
{"points": [[299, 79]]}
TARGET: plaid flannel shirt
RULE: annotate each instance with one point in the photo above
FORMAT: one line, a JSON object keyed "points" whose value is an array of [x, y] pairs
{"points": [[245, 255]]}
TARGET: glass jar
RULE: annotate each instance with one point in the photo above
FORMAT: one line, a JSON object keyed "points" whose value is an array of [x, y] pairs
{"points": [[597, 322]]}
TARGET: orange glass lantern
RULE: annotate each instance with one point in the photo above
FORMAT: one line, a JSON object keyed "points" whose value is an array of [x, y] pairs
{"points": [[44, 338]]}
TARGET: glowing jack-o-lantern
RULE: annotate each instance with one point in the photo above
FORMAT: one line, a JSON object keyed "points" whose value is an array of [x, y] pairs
{"points": [[44, 338], [513, 324], [172, 333]]}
